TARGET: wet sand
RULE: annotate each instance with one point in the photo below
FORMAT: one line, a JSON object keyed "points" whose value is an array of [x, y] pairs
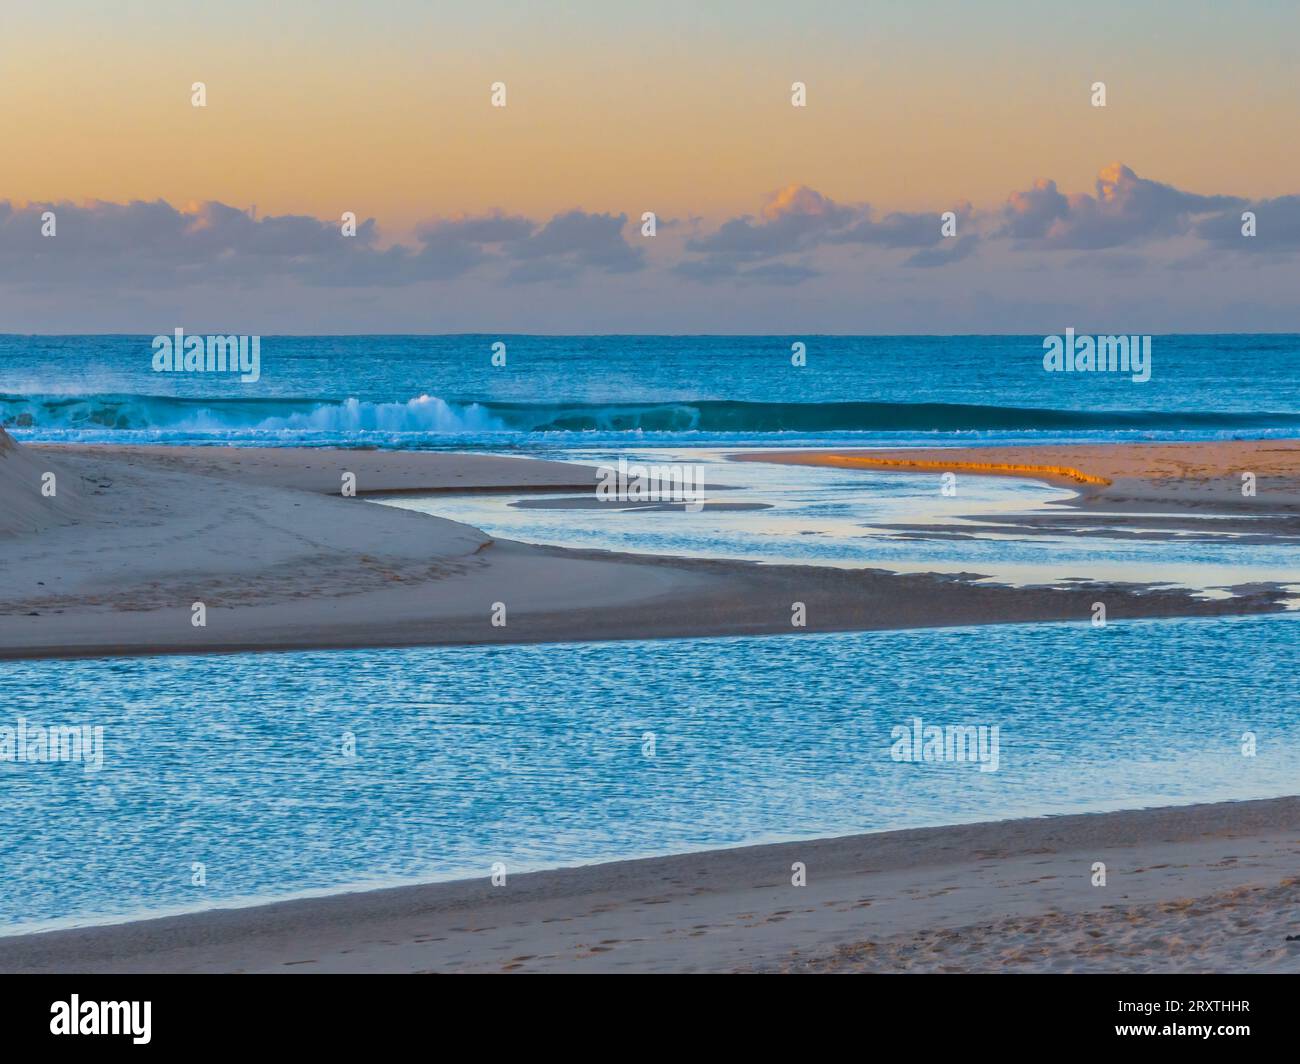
{"points": [[1206, 888]]}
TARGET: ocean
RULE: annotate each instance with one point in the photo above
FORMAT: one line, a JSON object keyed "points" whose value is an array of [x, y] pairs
{"points": [[556, 392]]}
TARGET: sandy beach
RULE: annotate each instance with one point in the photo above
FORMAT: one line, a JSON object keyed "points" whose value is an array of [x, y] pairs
{"points": [[113, 563], [545, 489], [1207, 888], [1178, 478]]}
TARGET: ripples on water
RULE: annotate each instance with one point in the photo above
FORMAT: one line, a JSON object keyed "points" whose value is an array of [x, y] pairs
{"points": [[825, 516], [533, 755]]}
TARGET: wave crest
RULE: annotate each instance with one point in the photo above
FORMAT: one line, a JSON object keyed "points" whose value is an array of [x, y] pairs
{"points": [[427, 414]]}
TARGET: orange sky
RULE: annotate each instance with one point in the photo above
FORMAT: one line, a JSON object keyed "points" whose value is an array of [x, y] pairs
{"points": [[382, 108]]}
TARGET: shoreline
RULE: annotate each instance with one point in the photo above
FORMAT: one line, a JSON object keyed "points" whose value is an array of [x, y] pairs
{"points": [[283, 562], [1014, 895], [1175, 478], [280, 561]]}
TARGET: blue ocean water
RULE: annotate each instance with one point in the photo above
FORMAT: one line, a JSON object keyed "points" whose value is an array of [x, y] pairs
{"points": [[444, 391], [536, 756]]}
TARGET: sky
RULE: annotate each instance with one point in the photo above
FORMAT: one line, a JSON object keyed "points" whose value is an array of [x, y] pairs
{"points": [[527, 217]]}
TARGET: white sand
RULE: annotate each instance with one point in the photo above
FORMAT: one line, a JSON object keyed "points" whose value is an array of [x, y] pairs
{"points": [[24, 505], [281, 560]]}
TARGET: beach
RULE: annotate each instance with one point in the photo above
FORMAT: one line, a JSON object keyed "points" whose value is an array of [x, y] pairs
{"points": [[1167, 477], [280, 559], [136, 535], [542, 489], [1209, 888]]}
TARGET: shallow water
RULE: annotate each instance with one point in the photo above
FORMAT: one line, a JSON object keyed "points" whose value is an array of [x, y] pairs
{"points": [[823, 516], [536, 755]]}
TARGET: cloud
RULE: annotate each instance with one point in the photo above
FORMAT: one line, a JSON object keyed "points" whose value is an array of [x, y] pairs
{"points": [[1126, 209], [1277, 227], [156, 244], [951, 251], [906, 230], [798, 220], [572, 242], [1031, 213], [797, 234], [792, 219]]}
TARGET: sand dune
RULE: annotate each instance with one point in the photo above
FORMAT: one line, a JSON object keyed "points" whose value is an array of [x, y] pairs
{"points": [[23, 507]]}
